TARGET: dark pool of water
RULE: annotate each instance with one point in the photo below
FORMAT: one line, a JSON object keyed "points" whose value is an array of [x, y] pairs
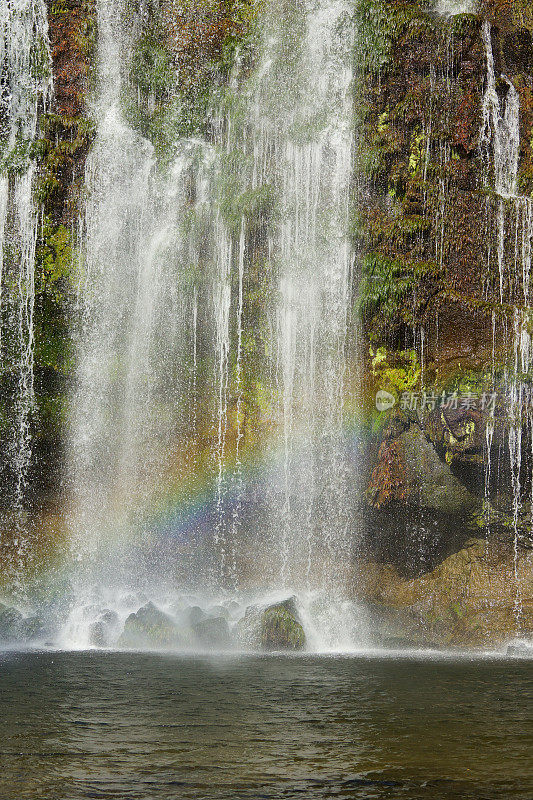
{"points": [[115, 725]]}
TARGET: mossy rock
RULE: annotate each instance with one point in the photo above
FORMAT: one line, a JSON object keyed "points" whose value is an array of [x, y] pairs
{"points": [[469, 600], [280, 630], [275, 627]]}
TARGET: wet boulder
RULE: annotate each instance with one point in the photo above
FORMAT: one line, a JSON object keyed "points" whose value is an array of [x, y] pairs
{"points": [[193, 615], [10, 622], [103, 631], [520, 650], [213, 632], [149, 628], [274, 627], [233, 608], [281, 628], [32, 628], [219, 611]]}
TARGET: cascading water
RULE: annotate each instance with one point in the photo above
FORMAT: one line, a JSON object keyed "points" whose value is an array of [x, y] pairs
{"points": [[514, 224], [282, 143], [310, 147], [135, 316], [26, 85], [452, 7]]}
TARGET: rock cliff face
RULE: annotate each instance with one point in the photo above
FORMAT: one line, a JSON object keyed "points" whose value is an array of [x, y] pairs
{"points": [[445, 314]]}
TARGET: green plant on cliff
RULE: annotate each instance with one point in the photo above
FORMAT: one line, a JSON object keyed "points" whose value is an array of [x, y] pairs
{"points": [[417, 150], [180, 60], [239, 203], [386, 285]]}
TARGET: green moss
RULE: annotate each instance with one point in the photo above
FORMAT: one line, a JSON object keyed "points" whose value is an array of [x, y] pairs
{"points": [[379, 25], [417, 150], [54, 257], [279, 630], [63, 144], [238, 204], [170, 93]]}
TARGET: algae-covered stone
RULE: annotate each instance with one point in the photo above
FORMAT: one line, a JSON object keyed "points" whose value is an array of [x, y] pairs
{"points": [[280, 630], [149, 627]]}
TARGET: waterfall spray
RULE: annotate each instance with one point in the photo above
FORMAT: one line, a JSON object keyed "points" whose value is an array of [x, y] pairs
{"points": [[25, 67]]}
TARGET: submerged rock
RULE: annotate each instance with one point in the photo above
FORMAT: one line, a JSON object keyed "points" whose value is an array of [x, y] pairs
{"points": [[276, 627], [149, 628]]}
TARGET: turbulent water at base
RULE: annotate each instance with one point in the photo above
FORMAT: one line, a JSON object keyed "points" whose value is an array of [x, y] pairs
{"points": [[282, 141], [514, 236], [25, 80]]}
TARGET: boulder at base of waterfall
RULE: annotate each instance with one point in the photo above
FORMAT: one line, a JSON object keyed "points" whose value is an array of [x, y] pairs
{"points": [[213, 632], [103, 632], [276, 627], [32, 628], [193, 615], [10, 622], [149, 628], [281, 628]]}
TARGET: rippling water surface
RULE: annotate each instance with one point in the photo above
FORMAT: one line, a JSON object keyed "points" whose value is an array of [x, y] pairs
{"points": [[114, 725]]}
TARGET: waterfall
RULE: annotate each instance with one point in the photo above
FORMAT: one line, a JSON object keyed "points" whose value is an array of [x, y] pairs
{"points": [[514, 235], [311, 163], [135, 316], [26, 86], [267, 191]]}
